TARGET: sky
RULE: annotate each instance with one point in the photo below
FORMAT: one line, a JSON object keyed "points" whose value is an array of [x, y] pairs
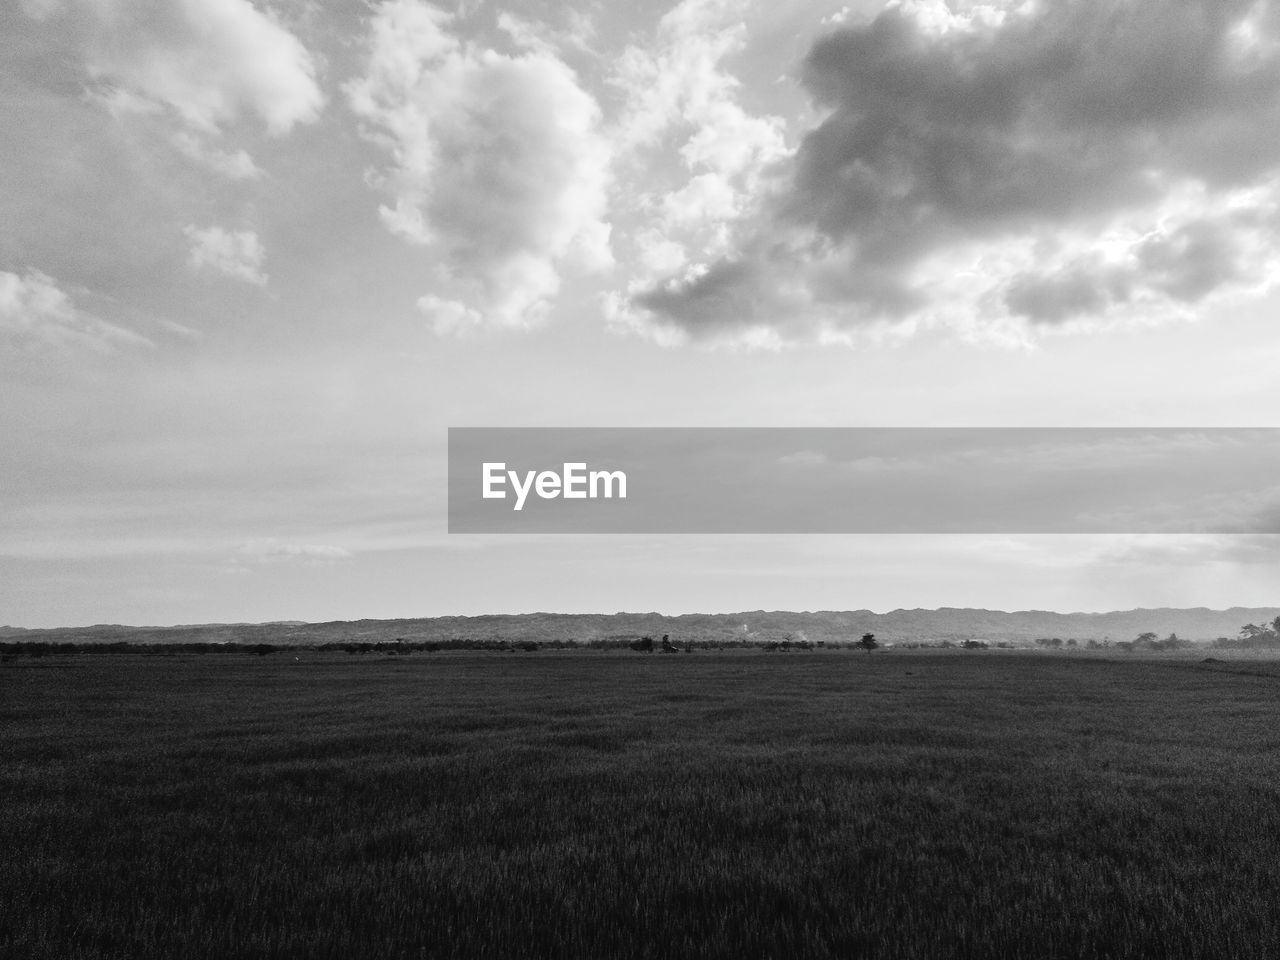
{"points": [[257, 257]]}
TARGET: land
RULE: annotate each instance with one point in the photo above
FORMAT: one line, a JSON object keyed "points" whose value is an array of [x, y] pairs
{"points": [[597, 804], [1024, 627]]}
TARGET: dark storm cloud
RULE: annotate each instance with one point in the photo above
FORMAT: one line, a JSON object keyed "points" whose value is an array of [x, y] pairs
{"points": [[1064, 295], [1185, 265], [727, 289], [1063, 118]]}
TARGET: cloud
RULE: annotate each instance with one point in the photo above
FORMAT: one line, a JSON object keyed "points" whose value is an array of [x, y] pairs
{"points": [[677, 90], [576, 33], [207, 64], [497, 165], [271, 550], [235, 253], [1172, 266], [804, 458], [232, 164], [1139, 551], [37, 316], [993, 166]]}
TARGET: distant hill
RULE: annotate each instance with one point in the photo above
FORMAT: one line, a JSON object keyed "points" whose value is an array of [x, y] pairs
{"points": [[947, 623]]}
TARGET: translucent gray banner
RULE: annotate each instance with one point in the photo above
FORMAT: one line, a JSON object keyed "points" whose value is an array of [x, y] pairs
{"points": [[864, 480]]}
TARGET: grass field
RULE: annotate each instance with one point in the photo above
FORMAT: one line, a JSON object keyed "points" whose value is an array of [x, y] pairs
{"points": [[598, 805]]}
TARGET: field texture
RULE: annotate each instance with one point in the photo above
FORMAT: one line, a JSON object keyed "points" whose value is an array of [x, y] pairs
{"points": [[598, 805]]}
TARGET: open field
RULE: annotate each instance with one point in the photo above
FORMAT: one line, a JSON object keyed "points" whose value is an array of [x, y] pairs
{"points": [[595, 805]]}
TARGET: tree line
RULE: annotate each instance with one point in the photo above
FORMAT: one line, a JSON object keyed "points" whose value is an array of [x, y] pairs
{"points": [[1252, 636]]}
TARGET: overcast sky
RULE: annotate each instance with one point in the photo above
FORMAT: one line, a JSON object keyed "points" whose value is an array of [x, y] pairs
{"points": [[256, 256]]}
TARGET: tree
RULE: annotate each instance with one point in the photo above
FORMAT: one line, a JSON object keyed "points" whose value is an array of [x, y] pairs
{"points": [[1253, 635], [868, 642]]}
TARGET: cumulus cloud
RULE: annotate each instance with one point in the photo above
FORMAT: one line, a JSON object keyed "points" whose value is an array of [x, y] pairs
{"points": [[678, 87], [575, 34], [205, 63], [497, 167], [234, 253], [36, 316], [680, 81], [987, 164]]}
